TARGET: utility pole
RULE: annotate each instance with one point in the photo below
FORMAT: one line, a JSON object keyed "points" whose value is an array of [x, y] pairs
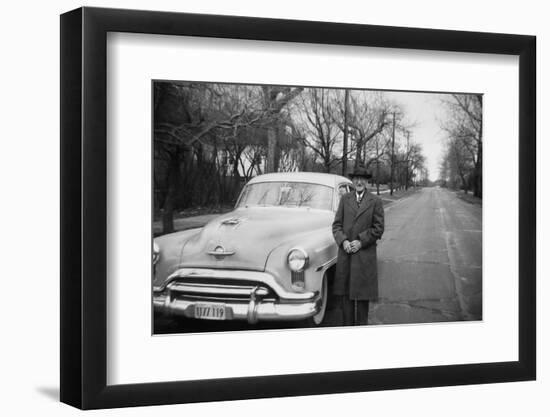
{"points": [[377, 169], [345, 147], [392, 154], [407, 161]]}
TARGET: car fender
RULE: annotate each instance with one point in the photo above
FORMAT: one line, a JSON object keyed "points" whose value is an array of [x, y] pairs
{"points": [[321, 249], [171, 247]]}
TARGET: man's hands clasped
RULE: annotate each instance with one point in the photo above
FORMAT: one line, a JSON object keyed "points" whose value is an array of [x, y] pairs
{"points": [[351, 247]]}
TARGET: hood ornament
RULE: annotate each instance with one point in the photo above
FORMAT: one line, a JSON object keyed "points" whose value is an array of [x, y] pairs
{"points": [[219, 252]]}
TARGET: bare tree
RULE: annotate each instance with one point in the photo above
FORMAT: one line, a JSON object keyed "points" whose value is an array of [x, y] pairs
{"points": [[209, 138], [193, 123], [415, 162], [275, 100], [380, 148], [464, 127], [253, 155], [318, 120], [457, 164], [369, 114]]}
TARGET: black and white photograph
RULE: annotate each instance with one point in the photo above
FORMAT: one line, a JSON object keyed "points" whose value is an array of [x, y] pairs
{"points": [[243, 208], [280, 207]]}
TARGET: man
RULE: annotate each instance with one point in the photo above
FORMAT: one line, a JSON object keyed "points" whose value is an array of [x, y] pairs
{"points": [[358, 224]]}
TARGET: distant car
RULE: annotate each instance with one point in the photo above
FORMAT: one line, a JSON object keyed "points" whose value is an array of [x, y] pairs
{"points": [[269, 259]]}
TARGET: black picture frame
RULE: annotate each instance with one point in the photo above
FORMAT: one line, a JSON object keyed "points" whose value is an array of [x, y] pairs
{"points": [[84, 207]]}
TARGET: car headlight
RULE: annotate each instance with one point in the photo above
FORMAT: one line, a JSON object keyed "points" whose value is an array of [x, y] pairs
{"points": [[156, 253], [297, 259]]}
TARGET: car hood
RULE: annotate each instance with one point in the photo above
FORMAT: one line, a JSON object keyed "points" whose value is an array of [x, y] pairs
{"points": [[245, 237]]}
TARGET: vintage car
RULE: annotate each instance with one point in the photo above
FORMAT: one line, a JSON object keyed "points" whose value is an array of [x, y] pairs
{"points": [[269, 259]]}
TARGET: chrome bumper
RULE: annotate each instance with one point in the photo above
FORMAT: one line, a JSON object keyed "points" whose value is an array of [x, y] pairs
{"points": [[251, 312], [241, 302]]}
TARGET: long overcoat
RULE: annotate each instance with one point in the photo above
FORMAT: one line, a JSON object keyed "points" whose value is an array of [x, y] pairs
{"points": [[357, 274]]}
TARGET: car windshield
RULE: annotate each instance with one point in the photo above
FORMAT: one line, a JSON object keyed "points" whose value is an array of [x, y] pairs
{"points": [[287, 194]]}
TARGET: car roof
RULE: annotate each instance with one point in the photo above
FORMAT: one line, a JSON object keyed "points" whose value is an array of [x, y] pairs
{"points": [[309, 177]]}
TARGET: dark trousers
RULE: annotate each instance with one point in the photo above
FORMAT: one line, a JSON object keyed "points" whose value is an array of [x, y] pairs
{"points": [[355, 312]]}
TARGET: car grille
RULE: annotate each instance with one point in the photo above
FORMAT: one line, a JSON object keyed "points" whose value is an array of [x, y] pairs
{"points": [[217, 289]]}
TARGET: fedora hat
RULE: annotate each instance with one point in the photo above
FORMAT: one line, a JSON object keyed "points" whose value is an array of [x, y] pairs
{"points": [[360, 172]]}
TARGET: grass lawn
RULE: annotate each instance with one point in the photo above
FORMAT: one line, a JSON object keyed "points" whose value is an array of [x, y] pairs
{"points": [[469, 198]]}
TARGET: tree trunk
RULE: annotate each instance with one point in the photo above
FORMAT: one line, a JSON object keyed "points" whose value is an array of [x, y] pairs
{"points": [[392, 155], [327, 164], [407, 163], [478, 180], [358, 155], [464, 184], [479, 165], [377, 174], [272, 164], [236, 176], [173, 185], [345, 144]]}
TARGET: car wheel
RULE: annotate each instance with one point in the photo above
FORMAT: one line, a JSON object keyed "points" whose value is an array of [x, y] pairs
{"points": [[318, 318]]}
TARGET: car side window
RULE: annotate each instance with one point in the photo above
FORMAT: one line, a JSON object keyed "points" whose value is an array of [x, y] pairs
{"points": [[342, 189]]}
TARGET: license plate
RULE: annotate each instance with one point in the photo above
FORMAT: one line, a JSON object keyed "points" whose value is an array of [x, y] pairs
{"points": [[210, 311]]}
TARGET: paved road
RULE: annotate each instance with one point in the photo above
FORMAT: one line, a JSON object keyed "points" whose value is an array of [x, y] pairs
{"points": [[429, 266], [430, 260]]}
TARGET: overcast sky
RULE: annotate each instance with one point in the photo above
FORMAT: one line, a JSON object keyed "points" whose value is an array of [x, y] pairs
{"points": [[426, 112]]}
